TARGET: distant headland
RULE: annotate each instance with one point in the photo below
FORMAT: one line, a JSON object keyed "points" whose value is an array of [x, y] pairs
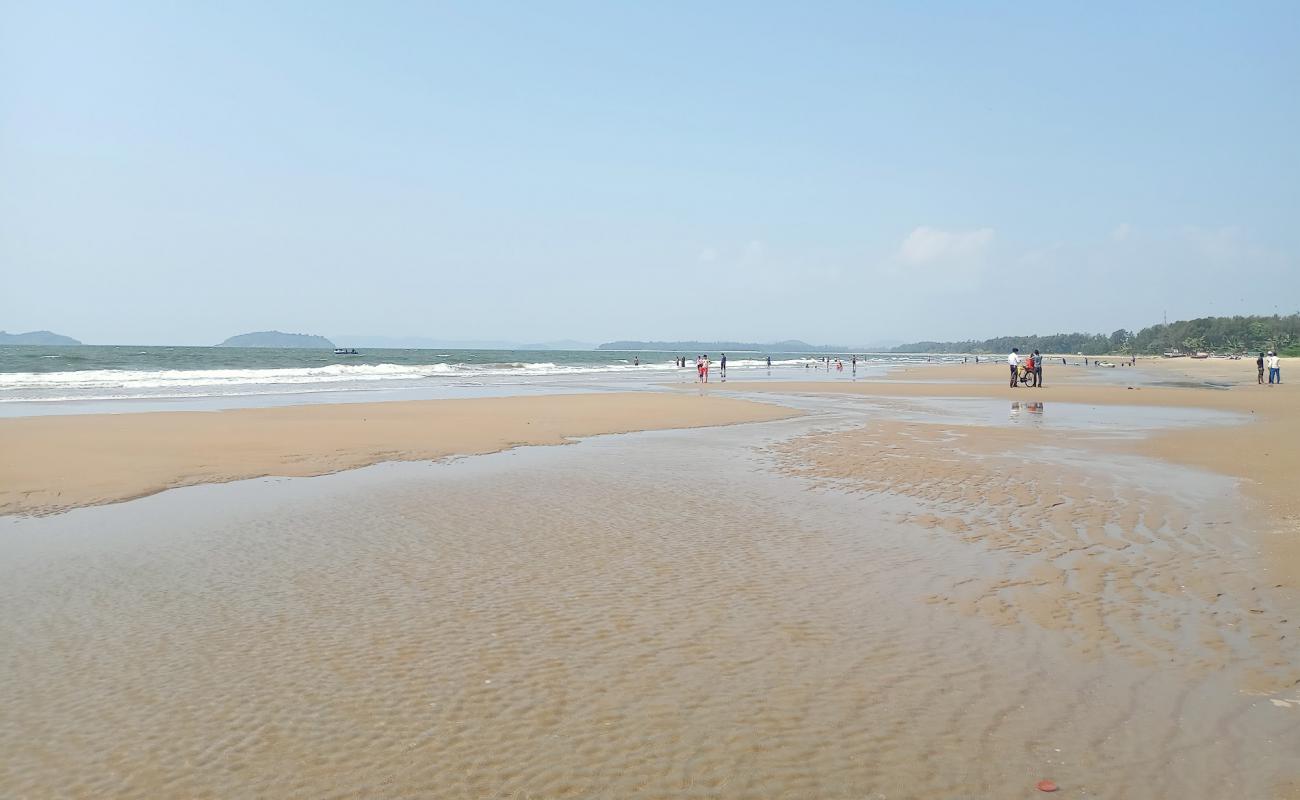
{"points": [[278, 339], [38, 337]]}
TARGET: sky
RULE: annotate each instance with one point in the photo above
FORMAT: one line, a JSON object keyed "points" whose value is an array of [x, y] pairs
{"points": [[176, 173]]}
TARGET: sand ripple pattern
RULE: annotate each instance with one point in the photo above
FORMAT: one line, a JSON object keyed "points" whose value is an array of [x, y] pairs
{"points": [[649, 616], [1123, 555]]}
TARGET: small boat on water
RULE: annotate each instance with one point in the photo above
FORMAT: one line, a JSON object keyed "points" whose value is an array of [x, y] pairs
{"points": [[346, 351]]}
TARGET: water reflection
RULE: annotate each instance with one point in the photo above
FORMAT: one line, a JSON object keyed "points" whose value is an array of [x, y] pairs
{"points": [[1032, 408]]}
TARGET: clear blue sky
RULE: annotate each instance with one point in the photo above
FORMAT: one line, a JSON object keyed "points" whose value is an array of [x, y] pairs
{"points": [[180, 172]]}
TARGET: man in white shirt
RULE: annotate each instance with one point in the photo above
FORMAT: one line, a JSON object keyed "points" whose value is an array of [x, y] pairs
{"points": [[1013, 361], [1274, 368]]}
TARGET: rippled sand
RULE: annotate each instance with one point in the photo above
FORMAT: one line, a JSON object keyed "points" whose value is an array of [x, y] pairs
{"points": [[758, 611]]}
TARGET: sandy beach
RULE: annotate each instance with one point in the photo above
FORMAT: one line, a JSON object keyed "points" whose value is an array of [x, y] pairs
{"points": [[55, 463], [928, 585]]}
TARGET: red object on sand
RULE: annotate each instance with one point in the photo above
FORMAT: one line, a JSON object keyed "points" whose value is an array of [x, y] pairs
{"points": [[1047, 786]]}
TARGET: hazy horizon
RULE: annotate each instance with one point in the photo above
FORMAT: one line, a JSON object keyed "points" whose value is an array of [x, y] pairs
{"points": [[840, 174]]}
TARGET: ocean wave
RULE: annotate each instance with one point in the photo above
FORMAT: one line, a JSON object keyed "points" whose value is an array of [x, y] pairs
{"points": [[116, 384], [331, 374]]}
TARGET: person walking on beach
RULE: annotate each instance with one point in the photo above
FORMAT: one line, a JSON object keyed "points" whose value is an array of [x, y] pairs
{"points": [[1259, 365], [723, 365], [699, 367], [1038, 369], [707, 364], [1274, 368], [1013, 361]]}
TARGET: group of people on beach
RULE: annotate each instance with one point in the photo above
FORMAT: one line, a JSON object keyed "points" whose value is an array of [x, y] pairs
{"points": [[703, 364], [1274, 365], [1027, 370]]}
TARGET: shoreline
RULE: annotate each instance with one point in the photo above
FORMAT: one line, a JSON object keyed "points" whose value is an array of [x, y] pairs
{"points": [[76, 460], [57, 463]]}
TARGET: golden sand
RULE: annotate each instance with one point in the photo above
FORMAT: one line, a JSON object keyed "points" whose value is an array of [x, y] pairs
{"points": [[672, 614], [49, 464], [1265, 454], [863, 601]]}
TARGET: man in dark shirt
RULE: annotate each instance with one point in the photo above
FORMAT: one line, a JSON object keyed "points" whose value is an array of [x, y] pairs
{"points": [[1038, 369], [1259, 363]]}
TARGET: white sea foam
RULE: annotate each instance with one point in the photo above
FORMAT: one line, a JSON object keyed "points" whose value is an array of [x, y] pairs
{"points": [[125, 383], [117, 384]]}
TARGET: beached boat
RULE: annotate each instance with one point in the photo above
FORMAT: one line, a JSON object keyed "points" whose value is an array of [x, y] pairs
{"points": [[1172, 354], [1201, 354]]}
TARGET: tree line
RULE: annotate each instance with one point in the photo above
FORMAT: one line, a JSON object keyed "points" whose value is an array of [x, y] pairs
{"points": [[1227, 335]]}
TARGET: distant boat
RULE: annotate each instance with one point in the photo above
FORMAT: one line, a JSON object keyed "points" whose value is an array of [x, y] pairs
{"points": [[1201, 354], [345, 351], [1172, 354]]}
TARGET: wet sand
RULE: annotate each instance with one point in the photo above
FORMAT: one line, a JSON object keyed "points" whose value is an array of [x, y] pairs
{"points": [[896, 594], [50, 464], [1263, 455]]}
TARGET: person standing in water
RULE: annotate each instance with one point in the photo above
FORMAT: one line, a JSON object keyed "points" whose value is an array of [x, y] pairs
{"points": [[769, 362], [723, 366]]}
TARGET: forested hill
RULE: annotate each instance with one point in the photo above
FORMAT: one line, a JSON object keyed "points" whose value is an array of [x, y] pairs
{"points": [[1211, 334], [277, 339], [38, 337]]}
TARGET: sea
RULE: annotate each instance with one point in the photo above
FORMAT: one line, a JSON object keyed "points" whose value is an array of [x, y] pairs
{"points": [[38, 379]]}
